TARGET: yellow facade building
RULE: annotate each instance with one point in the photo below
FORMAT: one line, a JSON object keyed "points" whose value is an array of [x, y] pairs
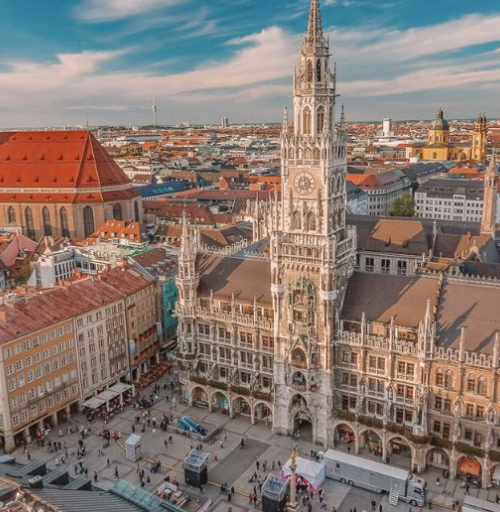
{"points": [[439, 147]]}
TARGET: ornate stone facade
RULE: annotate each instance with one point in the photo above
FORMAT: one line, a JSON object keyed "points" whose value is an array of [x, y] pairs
{"points": [[388, 348]]}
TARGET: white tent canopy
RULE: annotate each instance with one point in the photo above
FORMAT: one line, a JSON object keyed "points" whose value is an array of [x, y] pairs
{"points": [[312, 472]]}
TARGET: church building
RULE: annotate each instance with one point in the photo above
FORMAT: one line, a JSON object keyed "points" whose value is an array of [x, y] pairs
{"points": [[61, 183], [439, 147]]}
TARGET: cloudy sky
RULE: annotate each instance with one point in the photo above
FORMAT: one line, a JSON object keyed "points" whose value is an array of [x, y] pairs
{"points": [[61, 60]]}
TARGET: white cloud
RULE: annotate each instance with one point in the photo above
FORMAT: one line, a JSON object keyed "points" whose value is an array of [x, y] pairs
{"points": [[107, 10]]}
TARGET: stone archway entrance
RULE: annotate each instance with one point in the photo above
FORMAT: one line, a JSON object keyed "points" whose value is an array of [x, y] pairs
{"points": [[399, 453], [303, 426], [370, 444], [220, 402], [199, 397], [241, 406], [470, 470], [438, 458], [344, 438], [263, 413]]}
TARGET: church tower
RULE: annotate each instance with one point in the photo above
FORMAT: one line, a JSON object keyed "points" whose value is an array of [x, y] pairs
{"points": [[439, 130], [488, 220], [187, 284], [312, 249], [479, 137]]}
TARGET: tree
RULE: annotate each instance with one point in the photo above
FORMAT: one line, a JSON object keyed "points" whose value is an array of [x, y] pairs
{"points": [[403, 206]]}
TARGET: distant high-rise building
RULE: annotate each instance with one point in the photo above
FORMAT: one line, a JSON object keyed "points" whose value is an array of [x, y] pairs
{"points": [[155, 113], [224, 122]]}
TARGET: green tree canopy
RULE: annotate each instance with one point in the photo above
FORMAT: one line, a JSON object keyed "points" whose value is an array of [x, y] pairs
{"points": [[403, 206]]}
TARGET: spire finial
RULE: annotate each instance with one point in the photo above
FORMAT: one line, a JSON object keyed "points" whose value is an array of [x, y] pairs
{"points": [[342, 116], [315, 27], [285, 120]]}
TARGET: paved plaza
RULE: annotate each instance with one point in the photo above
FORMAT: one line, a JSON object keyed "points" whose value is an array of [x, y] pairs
{"points": [[228, 463]]}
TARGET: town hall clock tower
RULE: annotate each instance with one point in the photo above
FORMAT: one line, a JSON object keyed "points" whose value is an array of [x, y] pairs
{"points": [[312, 249]]}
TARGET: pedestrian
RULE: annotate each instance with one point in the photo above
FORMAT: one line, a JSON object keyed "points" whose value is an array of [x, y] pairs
{"points": [[201, 489], [229, 509], [229, 495], [221, 444], [264, 466], [257, 464], [467, 486], [273, 465], [380, 507], [117, 475], [255, 489], [107, 463], [95, 476], [279, 465], [76, 469], [254, 500], [29, 455]]}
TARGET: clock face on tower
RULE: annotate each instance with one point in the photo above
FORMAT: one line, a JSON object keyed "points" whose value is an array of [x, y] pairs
{"points": [[304, 183]]}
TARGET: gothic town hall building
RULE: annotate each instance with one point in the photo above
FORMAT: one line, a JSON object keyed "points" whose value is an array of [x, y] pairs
{"points": [[376, 334]]}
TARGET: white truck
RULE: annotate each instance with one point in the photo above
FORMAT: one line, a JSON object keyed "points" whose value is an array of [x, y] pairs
{"points": [[375, 476]]}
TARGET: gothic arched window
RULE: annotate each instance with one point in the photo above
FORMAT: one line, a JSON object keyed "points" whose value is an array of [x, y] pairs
{"points": [[311, 222], [316, 154], [471, 384], [448, 380], [30, 225], [320, 120], [309, 72], [88, 221], [439, 377], [307, 121], [136, 211], [296, 220], [63, 219], [318, 70], [481, 386], [47, 227], [308, 154], [11, 215], [117, 212]]}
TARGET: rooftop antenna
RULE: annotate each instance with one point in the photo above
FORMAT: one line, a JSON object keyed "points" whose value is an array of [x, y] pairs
{"points": [[155, 114]]}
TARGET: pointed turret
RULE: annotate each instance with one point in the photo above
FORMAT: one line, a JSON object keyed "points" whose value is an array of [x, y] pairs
{"points": [[315, 26], [285, 120], [342, 117], [488, 219]]}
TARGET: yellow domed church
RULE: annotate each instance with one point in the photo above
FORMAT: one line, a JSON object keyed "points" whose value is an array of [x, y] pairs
{"points": [[439, 147]]}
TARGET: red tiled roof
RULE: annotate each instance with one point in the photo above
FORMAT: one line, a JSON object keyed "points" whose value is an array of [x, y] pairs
{"points": [[56, 160]]}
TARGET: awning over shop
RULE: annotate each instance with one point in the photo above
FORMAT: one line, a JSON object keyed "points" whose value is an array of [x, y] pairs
{"points": [[120, 387], [94, 403], [470, 467], [107, 395]]}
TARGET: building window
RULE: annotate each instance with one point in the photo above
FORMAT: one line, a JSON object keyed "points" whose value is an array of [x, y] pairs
{"points": [[401, 268], [63, 217], [11, 215], [369, 264], [47, 227], [320, 119], [117, 211], [385, 266], [88, 221], [471, 384], [307, 121], [481, 386], [439, 378], [30, 225], [448, 381]]}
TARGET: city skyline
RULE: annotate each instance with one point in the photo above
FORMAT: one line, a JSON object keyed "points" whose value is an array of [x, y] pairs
{"points": [[200, 60]]}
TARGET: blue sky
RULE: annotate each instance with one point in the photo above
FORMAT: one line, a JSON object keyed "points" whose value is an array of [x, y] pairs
{"points": [[63, 59]]}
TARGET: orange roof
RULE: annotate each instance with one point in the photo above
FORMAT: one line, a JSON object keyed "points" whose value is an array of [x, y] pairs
{"points": [[58, 160], [372, 180], [120, 229]]}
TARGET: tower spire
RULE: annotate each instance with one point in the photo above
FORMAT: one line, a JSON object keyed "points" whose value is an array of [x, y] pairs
{"points": [[285, 120], [315, 26], [488, 219]]}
